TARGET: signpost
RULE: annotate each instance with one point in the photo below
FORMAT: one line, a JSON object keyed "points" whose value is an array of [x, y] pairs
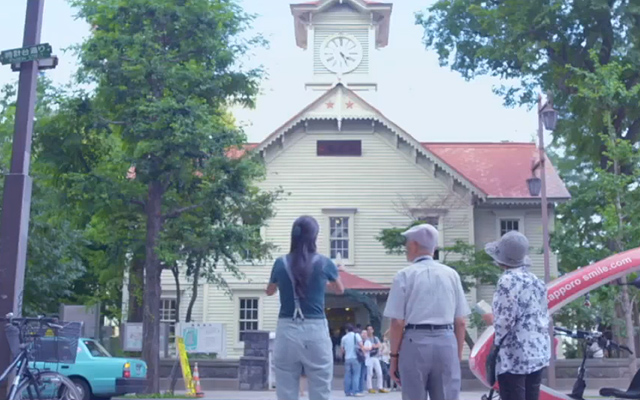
{"points": [[24, 54], [16, 202]]}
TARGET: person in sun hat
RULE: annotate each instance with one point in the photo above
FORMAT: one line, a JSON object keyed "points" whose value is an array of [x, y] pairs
{"points": [[427, 307], [520, 319]]}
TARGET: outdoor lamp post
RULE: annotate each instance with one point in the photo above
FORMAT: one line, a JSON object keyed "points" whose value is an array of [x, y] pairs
{"points": [[547, 119]]}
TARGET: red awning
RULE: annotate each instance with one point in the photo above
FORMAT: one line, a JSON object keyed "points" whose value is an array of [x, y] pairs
{"points": [[352, 281]]}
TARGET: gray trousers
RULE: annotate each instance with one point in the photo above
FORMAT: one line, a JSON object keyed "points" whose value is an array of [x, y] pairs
{"points": [[303, 346], [429, 364]]}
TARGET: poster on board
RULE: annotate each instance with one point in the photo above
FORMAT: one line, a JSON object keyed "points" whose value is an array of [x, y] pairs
{"points": [[203, 338]]}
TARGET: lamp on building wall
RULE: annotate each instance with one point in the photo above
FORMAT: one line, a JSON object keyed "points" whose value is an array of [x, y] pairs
{"points": [[535, 185]]}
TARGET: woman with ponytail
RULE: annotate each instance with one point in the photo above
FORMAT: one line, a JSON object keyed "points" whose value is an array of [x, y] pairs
{"points": [[302, 337]]}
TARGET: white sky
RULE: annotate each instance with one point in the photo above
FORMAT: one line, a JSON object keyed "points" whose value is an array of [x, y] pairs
{"points": [[430, 102]]}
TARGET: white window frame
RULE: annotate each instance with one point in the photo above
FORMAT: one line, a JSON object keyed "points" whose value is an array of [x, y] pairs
{"points": [[172, 321], [239, 298], [424, 215], [341, 213], [506, 217]]}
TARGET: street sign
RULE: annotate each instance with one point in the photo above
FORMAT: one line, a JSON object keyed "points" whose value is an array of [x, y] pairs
{"points": [[25, 54]]}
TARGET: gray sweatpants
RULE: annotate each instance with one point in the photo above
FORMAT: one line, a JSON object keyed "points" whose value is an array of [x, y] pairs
{"points": [[303, 344], [429, 364]]}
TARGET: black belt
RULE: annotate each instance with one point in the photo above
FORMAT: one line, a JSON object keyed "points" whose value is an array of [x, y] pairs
{"points": [[428, 327]]}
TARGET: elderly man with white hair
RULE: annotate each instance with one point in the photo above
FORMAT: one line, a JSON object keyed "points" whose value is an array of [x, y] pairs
{"points": [[428, 313]]}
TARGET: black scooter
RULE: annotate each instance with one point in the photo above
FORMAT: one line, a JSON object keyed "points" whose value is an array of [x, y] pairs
{"points": [[587, 339]]}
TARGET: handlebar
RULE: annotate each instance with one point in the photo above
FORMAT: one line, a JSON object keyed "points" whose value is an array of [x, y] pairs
{"points": [[577, 334], [21, 322], [593, 336]]}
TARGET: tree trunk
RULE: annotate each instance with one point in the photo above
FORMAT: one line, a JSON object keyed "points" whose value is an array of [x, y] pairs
{"points": [[174, 370], [627, 309], [636, 322], [194, 292], [152, 289], [136, 288]]}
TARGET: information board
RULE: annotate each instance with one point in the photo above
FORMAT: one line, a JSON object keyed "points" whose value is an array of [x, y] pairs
{"points": [[132, 337], [203, 338]]}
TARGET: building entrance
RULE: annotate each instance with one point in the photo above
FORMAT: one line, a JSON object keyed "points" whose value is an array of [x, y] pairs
{"points": [[339, 317]]}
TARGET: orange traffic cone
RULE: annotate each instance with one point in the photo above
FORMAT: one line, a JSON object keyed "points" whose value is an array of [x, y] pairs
{"points": [[196, 378]]}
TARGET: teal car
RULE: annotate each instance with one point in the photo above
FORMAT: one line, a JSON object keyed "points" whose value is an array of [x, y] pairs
{"points": [[98, 375]]}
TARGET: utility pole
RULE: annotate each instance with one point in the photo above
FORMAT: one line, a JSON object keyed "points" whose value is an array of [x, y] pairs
{"points": [[548, 121], [16, 205]]}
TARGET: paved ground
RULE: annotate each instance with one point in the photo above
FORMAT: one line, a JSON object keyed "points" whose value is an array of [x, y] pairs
{"points": [[336, 395]]}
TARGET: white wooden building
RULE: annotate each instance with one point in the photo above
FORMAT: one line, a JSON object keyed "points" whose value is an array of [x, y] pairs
{"points": [[343, 162]]}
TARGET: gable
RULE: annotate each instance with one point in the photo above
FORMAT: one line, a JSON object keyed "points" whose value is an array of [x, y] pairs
{"points": [[340, 106]]}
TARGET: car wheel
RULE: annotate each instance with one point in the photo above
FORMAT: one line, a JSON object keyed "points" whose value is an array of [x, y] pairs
{"points": [[83, 388]]}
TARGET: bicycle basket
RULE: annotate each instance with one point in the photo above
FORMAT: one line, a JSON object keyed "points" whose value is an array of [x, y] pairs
{"points": [[13, 338], [55, 345]]}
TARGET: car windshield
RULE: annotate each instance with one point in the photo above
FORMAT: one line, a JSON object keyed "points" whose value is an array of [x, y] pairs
{"points": [[96, 349]]}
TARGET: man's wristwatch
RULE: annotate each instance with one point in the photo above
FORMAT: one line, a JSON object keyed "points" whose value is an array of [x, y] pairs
{"points": [[394, 355]]}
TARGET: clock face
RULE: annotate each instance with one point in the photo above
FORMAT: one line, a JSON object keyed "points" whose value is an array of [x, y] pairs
{"points": [[341, 53]]}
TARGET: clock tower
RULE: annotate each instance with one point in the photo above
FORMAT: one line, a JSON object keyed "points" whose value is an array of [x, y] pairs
{"points": [[341, 38]]}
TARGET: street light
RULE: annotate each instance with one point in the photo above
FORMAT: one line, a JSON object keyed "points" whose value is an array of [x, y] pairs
{"points": [[549, 116], [547, 119]]}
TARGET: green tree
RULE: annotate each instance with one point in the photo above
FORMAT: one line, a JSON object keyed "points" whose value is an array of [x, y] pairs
{"points": [[165, 72], [474, 266], [541, 44], [53, 255], [602, 218], [83, 159]]}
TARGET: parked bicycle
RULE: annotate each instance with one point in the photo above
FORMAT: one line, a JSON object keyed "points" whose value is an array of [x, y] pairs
{"points": [[35, 342]]}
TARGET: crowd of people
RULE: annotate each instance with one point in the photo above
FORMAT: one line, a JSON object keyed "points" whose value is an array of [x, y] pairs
{"points": [[365, 357], [427, 309]]}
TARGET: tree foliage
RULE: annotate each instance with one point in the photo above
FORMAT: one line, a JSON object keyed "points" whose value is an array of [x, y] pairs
{"points": [[548, 45], [472, 265], [54, 261], [165, 73], [602, 218]]}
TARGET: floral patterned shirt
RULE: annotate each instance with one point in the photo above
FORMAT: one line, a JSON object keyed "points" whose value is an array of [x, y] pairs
{"points": [[521, 315]]}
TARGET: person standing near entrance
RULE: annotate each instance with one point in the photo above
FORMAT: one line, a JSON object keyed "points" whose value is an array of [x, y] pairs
{"points": [[302, 344], [373, 345], [363, 367], [427, 307], [385, 351], [349, 344]]}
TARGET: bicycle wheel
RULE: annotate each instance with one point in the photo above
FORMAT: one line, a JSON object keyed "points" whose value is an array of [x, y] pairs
{"points": [[47, 385]]}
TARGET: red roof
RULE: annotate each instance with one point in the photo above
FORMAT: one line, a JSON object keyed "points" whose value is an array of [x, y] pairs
{"points": [[239, 152], [352, 281], [500, 170]]}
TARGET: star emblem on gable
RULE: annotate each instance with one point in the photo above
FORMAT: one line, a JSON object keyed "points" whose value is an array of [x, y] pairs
{"points": [[350, 104], [330, 104]]}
